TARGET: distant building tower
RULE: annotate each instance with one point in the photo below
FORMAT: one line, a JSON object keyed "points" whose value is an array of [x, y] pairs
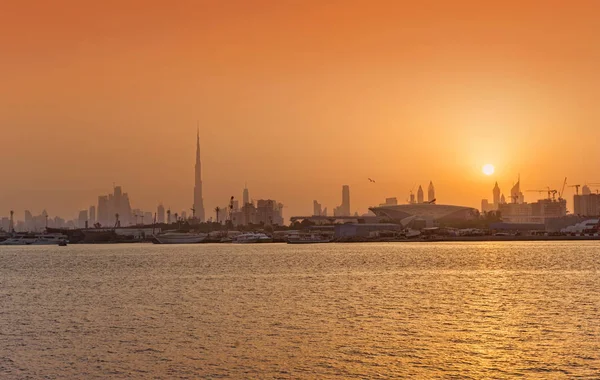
{"points": [[92, 215], [83, 219], [198, 201], [502, 199], [496, 192], [11, 222], [245, 196], [160, 213], [103, 210], [585, 190], [345, 200], [420, 196], [317, 211], [516, 196], [430, 192]]}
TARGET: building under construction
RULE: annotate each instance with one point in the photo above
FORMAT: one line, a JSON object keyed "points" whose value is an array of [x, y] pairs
{"points": [[586, 203]]}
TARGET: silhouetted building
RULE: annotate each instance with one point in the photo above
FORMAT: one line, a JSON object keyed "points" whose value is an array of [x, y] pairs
{"points": [[516, 195], [344, 208], [430, 192], [5, 224], [389, 202], [496, 194], [245, 196], [420, 195], [587, 204], [317, 209], [82, 220], [198, 200], [92, 215], [160, 213], [536, 212], [112, 204], [103, 210], [148, 218], [268, 212], [486, 206]]}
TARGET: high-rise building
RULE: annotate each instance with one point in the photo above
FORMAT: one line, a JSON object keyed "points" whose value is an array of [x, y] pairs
{"points": [[268, 212], [147, 218], [112, 204], [430, 192], [516, 195], [103, 211], [586, 204], [92, 215], [198, 201], [4, 224], [496, 193], [160, 211], [346, 200], [82, 220], [317, 210], [344, 208], [420, 195], [245, 196]]}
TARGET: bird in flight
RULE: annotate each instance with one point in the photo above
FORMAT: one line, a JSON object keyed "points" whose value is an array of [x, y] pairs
{"points": [[371, 180]]}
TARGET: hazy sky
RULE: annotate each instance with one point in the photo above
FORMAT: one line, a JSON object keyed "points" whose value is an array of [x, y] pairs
{"points": [[296, 98]]}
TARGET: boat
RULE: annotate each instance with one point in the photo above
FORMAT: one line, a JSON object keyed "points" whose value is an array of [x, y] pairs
{"points": [[252, 237], [35, 239], [171, 237], [308, 239]]}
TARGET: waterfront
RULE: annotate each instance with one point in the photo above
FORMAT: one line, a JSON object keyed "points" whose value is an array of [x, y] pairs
{"points": [[473, 310]]}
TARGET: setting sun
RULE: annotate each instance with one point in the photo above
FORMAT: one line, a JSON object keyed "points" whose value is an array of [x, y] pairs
{"points": [[488, 169]]}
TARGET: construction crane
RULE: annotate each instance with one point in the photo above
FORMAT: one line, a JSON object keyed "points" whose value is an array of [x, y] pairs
{"points": [[576, 188], [551, 193], [560, 195]]}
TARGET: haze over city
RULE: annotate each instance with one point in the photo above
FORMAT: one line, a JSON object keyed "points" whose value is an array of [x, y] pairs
{"points": [[295, 99]]}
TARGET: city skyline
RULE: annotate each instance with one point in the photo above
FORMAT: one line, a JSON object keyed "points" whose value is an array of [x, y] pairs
{"points": [[294, 111]]}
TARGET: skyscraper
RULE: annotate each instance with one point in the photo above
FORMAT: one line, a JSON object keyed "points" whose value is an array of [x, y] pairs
{"points": [[103, 210], [516, 194], [198, 201], [430, 192], [92, 215], [344, 208], [420, 196], [161, 213], [346, 200], [245, 196], [496, 193], [317, 210]]}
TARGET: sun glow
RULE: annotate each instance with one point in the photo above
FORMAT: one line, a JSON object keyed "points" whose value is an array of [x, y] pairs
{"points": [[488, 169]]}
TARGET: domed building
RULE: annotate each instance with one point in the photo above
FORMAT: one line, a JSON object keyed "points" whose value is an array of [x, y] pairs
{"points": [[444, 214]]}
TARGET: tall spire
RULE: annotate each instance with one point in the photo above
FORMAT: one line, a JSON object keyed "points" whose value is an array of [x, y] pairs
{"points": [[430, 192], [198, 201]]}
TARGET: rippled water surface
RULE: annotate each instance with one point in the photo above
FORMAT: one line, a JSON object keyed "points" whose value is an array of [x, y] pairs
{"points": [[439, 310]]}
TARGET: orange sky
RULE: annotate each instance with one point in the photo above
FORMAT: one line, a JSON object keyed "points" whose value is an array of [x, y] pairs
{"points": [[296, 98]]}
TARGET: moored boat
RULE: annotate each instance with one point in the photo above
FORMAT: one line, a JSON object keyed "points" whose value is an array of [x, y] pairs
{"points": [[252, 237], [171, 237], [308, 239], [36, 239]]}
